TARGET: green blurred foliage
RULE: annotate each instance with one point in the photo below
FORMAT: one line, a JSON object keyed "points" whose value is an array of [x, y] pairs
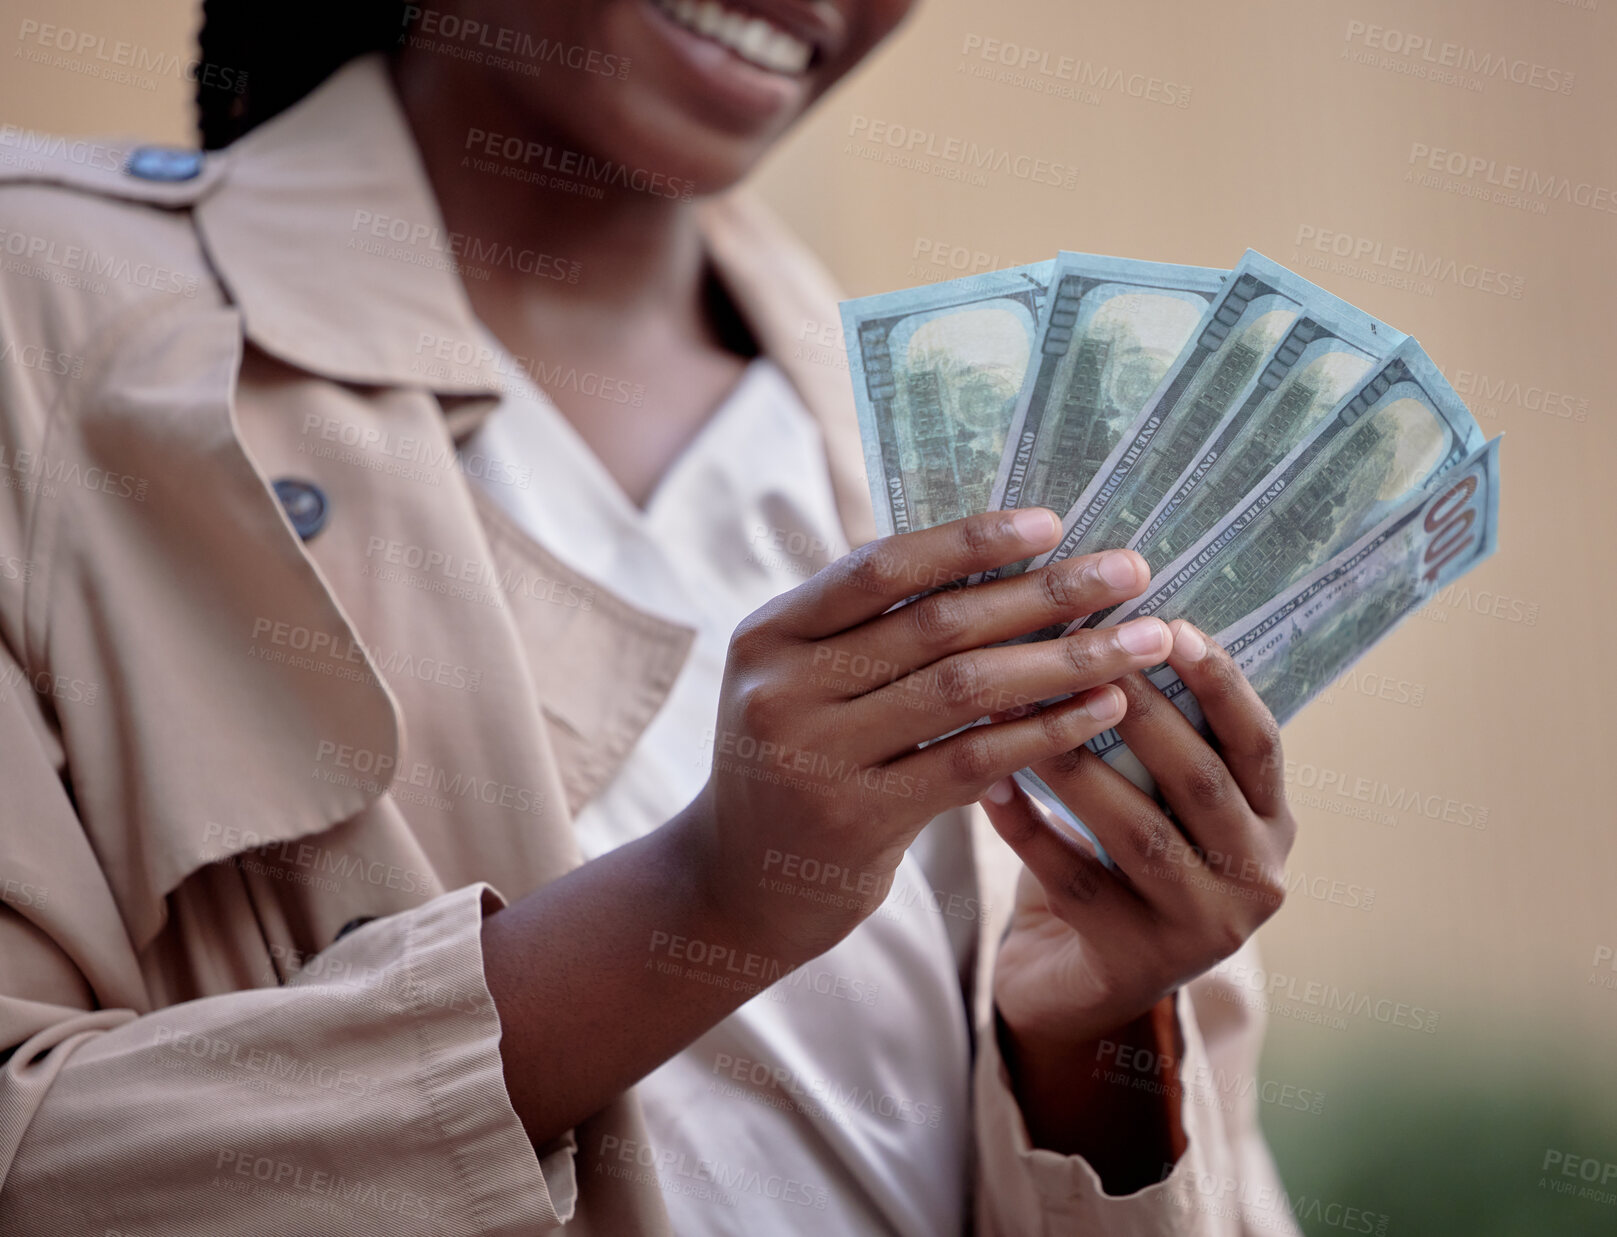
{"points": [[1441, 1143]]}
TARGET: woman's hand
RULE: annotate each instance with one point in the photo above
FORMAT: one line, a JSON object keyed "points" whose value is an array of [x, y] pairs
{"points": [[1092, 953], [817, 785]]}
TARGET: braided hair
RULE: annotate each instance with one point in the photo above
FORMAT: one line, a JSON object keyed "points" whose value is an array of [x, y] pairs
{"points": [[259, 57]]}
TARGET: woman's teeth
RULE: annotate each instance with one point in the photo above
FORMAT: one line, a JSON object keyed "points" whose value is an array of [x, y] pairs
{"points": [[755, 39]]}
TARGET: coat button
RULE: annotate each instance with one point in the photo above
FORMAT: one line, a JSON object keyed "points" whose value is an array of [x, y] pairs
{"points": [[165, 163], [305, 505]]}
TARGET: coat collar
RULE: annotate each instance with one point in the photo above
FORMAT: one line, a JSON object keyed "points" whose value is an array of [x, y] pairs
{"points": [[292, 229]]}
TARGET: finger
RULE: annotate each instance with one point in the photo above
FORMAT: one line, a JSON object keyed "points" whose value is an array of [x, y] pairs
{"points": [[1136, 832], [1072, 877], [1207, 803], [877, 576], [955, 620], [957, 770], [962, 688], [1248, 738]]}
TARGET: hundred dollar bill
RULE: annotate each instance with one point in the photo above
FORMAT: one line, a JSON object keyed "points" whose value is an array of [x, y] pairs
{"points": [[1295, 646], [1253, 314], [935, 375], [1323, 358], [1401, 432], [1111, 328]]}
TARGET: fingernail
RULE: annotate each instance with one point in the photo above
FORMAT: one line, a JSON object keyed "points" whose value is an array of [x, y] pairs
{"points": [[1188, 644], [1001, 792], [1118, 569], [1105, 705], [1142, 636], [1035, 525]]}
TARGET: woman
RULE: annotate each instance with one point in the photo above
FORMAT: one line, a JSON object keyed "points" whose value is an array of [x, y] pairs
{"points": [[401, 507]]}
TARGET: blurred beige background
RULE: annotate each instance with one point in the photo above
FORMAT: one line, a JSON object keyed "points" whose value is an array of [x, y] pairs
{"points": [[1305, 131]]}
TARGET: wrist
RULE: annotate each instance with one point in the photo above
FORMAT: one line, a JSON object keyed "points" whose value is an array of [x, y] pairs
{"points": [[1112, 1098], [726, 909]]}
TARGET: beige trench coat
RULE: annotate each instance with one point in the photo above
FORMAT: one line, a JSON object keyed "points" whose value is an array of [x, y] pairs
{"points": [[220, 744]]}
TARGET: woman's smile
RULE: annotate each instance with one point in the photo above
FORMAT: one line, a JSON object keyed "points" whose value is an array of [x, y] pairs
{"points": [[741, 62]]}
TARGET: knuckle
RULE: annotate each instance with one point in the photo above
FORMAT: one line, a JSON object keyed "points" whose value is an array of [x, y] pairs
{"points": [[1071, 763], [1152, 838], [1141, 699], [1077, 653], [1084, 882], [1062, 728], [751, 639], [978, 538], [1226, 936], [1223, 675], [971, 760], [1265, 746], [1207, 783], [958, 681], [1285, 828], [1067, 731], [760, 706], [1059, 590], [868, 569], [1271, 891], [941, 619]]}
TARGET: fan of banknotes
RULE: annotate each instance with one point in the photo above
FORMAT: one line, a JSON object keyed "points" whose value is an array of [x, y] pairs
{"points": [[1299, 475]]}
